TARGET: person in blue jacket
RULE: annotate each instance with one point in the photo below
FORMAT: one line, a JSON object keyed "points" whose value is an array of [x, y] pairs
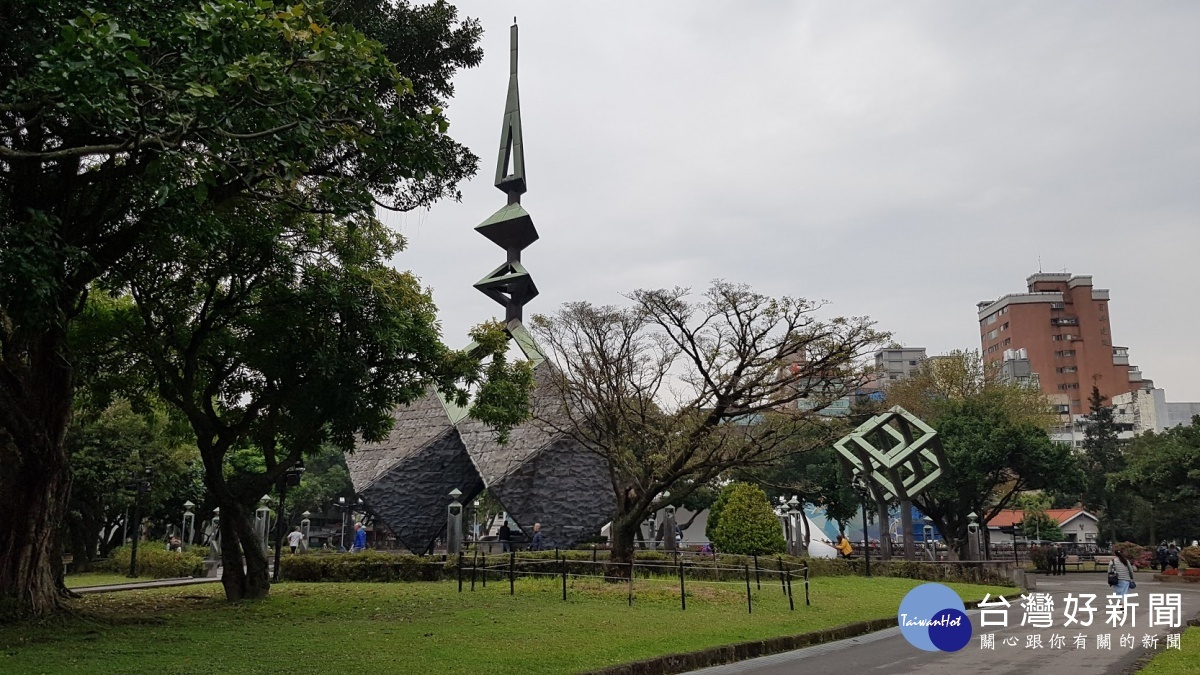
{"points": [[535, 544], [360, 538]]}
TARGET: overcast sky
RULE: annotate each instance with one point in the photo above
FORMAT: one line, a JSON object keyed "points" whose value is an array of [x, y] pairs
{"points": [[901, 160]]}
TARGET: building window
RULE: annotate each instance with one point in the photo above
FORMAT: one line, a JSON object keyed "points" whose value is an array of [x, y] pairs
{"points": [[991, 320], [1067, 369], [912, 363], [1059, 338], [1056, 305], [1066, 353], [1004, 327], [991, 334], [1069, 385], [1062, 409], [1007, 341]]}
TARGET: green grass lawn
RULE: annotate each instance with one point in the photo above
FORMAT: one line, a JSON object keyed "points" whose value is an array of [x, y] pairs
{"points": [[1182, 661], [98, 579], [428, 627]]}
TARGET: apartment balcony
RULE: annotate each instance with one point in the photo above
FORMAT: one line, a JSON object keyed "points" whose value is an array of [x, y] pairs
{"points": [[1120, 359], [1135, 375], [1064, 321]]}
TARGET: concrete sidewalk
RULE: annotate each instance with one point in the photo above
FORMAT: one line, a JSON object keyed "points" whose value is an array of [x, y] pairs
{"points": [[888, 652], [142, 585]]}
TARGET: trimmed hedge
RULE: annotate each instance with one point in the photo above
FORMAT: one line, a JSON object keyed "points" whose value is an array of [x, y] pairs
{"points": [[155, 561], [1190, 555]]}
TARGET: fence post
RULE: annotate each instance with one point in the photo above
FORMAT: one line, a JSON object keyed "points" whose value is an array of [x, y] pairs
{"points": [[682, 590], [593, 553], [806, 600], [749, 602], [484, 570], [757, 581], [791, 603], [512, 565], [631, 582], [782, 583], [460, 566], [474, 566], [564, 577]]}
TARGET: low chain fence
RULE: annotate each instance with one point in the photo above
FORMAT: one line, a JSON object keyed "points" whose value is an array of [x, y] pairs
{"points": [[720, 568]]}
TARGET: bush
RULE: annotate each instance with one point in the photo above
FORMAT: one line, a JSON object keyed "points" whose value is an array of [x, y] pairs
{"points": [[1190, 556], [1138, 556], [1191, 572], [747, 524], [155, 561], [1171, 571], [365, 566], [1040, 555]]}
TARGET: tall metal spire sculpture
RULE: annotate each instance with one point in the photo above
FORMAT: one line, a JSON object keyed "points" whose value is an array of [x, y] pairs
{"points": [[510, 228], [539, 475]]}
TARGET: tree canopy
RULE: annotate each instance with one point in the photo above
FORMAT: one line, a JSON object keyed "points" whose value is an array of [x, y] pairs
{"points": [[674, 392]]}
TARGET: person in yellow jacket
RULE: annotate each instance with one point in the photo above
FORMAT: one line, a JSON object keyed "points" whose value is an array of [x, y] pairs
{"points": [[843, 546]]}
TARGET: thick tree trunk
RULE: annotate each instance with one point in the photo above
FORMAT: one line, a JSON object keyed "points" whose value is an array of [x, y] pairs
{"points": [[624, 531], [32, 503], [35, 478], [245, 571]]}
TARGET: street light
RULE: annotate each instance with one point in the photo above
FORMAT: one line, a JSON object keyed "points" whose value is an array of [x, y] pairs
{"points": [[928, 532], [454, 523], [475, 522], [794, 520], [189, 523], [291, 477], [141, 487], [343, 506], [262, 515], [1017, 527], [305, 527], [973, 533], [860, 489]]}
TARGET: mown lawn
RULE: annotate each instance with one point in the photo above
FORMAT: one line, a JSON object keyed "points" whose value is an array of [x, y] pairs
{"points": [[428, 627], [99, 579], [1182, 661]]}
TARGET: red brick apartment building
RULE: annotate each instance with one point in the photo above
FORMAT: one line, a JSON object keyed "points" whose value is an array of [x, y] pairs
{"points": [[1061, 327]]}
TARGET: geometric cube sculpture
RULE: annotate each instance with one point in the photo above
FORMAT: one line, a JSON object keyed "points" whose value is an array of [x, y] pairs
{"points": [[896, 452], [405, 480]]}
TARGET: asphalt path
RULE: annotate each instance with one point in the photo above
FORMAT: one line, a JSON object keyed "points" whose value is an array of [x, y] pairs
{"points": [[888, 652]]}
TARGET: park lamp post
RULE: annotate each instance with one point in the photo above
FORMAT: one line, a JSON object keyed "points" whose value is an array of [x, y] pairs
{"points": [[341, 504], [669, 527], [290, 478], [927, 530], [475, 522], [454, 513], [973, 535], [794, 520], [263, 516], [189, 523], [1017, 527], [305, 527], [141, 487], [860, 489], [782, 512]]}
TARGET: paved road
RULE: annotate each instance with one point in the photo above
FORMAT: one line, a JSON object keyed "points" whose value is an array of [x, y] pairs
{"points": [[888, 652]]}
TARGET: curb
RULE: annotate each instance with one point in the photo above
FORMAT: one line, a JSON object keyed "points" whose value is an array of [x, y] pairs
{"points": [[716, 656]]}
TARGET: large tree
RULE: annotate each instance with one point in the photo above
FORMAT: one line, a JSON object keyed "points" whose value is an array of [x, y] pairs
{"points": [[285, 332], [1164, 470], [675, 391], [1103, 455], [990, 460], [122, 119]]}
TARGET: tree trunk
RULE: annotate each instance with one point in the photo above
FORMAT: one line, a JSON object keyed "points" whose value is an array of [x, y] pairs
{"points": [[32, 503], [624, 531], [35, 478], [245, 571]]}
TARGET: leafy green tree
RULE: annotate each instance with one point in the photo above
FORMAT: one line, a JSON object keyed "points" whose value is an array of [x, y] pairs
{"points": [[748, 524], [1037, 523], [990, 460], [108, 448], [1164, 470], [285, 333], [125, 120], [1102, 455]]}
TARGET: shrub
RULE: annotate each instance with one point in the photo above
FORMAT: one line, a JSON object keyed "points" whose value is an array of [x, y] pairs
{"points": [[748, 525], [1190, 556], [365, 566], [155, 561], [1040, 555], [1191, 572], [1171, 571], [1138, 556]]}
